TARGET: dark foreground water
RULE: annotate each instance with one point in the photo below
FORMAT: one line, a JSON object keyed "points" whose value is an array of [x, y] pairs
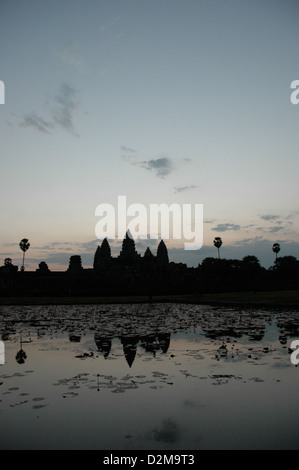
{"points": [[158, 376]]}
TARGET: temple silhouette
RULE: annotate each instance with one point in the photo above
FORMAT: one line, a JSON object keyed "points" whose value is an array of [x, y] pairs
{"points": [[127, 274], [133, 274]]}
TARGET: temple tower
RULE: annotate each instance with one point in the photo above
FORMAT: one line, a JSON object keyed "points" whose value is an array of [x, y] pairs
{"points": [[162, 254]]}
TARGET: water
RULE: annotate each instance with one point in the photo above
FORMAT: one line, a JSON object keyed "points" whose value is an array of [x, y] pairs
{"points": [[161, 376]]}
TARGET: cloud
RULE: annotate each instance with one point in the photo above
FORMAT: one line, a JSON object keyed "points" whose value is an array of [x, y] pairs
{"points": [[32, 120], [61, 107], [276, 223], [180, 189], [276, 228], [292, 215], [225, 227], [162, 166], [209, 221], [269, 217], [127, 149], [251, 241], [64, 104]]}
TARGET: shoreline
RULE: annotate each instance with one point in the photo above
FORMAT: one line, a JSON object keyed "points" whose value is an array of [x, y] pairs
{"points": [[271, 299]]}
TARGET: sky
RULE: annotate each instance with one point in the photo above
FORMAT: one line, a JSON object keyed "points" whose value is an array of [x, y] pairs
{"points": [[168, 101]]}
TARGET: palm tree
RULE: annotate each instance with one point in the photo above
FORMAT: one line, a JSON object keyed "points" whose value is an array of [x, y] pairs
{"points": [[24, 245], [21, 355], [276, 249], [218, 243]]}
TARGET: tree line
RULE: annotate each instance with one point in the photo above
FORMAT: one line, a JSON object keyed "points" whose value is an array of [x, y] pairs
{"points": [[217, 274]]}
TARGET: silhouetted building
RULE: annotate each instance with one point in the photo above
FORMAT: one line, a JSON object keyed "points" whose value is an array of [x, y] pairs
{"points": [[43, 268], [162, 254], [102, 257], [128, 254], [149, 275], [148, 255], [75, 264], [8, 276]]}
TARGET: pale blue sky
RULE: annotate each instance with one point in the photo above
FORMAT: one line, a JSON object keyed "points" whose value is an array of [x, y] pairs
{"points": [[161, 101]]}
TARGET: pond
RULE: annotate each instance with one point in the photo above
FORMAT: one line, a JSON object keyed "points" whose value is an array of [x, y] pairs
{"points": [[148, 376]]}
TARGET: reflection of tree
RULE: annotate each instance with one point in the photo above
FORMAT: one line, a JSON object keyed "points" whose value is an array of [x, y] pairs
{"points": [[21, 356], [288, 327], [234, 325]]}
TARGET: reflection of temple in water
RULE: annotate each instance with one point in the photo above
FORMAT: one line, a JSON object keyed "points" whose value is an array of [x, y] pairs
{"points": [[74, 338], [153, 343], [103, 344], [150, 343], [148, 327], [130, 348]]}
